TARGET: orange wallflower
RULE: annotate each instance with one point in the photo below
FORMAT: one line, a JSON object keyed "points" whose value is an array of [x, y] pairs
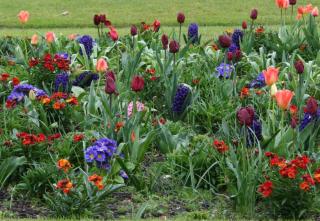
{"points": [[64, 164], [45, 100], [65, 185], [73, 100], [244, 92], [58, 105], [118, 126], [317, 175], [304, 186], [97, 180]]}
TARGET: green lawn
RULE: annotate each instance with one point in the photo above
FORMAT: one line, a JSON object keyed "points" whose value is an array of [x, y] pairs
{"points": [[125, 12]]}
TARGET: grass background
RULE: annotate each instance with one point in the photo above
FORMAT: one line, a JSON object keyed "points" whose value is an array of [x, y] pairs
{"points": [[212, 15]]}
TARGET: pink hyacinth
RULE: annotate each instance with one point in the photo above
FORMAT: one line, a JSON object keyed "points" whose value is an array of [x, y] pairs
{"points": [[139, 106]]}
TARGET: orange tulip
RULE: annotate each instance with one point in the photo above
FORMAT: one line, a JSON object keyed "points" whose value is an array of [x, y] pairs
{"points": [[50, 37], [23, 16], [271, 75], [283, 4], [34, 39], [283, 98], [102, 65]]}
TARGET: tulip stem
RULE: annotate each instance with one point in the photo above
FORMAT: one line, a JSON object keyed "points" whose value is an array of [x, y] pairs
{"points": [[110, 102], [180, 33]]}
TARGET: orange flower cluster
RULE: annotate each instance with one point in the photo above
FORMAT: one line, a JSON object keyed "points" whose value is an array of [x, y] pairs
{"points": [[97, 180], [220, 146], [60, 100], [64, 164], [65, 185], [291, 169]]}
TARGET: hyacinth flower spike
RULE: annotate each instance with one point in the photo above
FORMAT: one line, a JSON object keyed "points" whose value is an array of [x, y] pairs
{"points": [[181, 100]]}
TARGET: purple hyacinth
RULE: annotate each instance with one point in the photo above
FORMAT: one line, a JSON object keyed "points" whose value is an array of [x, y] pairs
{"points": [[123, 174], [87, 42], [61, 82], [233, 48], [259, 82], [180, 98], [101, 152], [237, 37], [224, 70], [21, 90], [85, 79], [193, 33], [254, 131], [63, 55], [308, 118]]}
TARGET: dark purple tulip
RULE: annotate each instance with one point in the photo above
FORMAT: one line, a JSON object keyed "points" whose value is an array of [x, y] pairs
{"points": [[103, 18], [254, 14], [165, 41], [225, 41], [180, 17], [238, 54], [299, 66], [292, 2], [96, 20], [230, 56], [174, 46], [133, 30], [245, 116], [110, 87]]}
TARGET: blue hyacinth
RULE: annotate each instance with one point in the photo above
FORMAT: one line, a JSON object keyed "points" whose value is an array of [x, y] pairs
{"points": [[61, 82], [21, 90], [180, 98], [224, 70], [101, 152], [254, 132], [308, 118], [237, 37], [259, 82], [85, 79], [193, 33], [87, 42]]}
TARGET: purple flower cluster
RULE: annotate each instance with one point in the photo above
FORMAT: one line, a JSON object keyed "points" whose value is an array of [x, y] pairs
{"points": [[61, 82], [101, 152], [21, 90], [87, 42], [193, 33], [308, 118], [259, 82], [85, 79], [224, 70], [180, 98], [237, 37]]}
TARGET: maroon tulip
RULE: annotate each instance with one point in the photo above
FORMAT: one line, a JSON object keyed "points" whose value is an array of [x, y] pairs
{"points": [[96, 19], [245, 116], [137, 83], [225, 41], [103, 18], [254, 14], [180, 17], [244, 25], [107, 23], [292, 2], [238, 54], [174, 46], [230, 56], [299, 66], [133, 30], [110, 87], [312, 106], [165, 41]]}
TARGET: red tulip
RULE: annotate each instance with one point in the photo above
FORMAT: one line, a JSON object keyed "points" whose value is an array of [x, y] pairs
{"points": [[137, 83], [244, 25], [96, 20], [283, 98], [15, 81], [225, 41], [283, 4], [113, 34], [156, 25]]}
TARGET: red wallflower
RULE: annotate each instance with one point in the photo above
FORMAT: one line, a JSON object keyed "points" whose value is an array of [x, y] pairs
{"points": [[220, 146], [54, 136], [72, 100], [31, 139], [4, 76], [65, 185], [15, 81], [33, 62], [289, 171], [304, 186], [266, 188], [301, 162], [78, 137], [118, 126]]}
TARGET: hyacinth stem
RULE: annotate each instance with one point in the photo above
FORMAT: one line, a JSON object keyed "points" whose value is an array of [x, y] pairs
{"points": [[180, 33]]}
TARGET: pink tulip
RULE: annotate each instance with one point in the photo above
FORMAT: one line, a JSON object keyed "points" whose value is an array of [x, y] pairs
{"points": [[283, 4], [34, 39], [23, 16], [113, 34], [283, 98], [50, 37], [102, 65], [315, 12]]}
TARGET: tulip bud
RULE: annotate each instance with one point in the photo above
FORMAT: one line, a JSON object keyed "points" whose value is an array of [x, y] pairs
{"points": [[133, 30], [225, 41], [254, 14], [292, 2], [137, 83], [244, 25], [165, 41], [174, 46], [180, 17], [96, 20], [273, 90], [299, 66]]}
